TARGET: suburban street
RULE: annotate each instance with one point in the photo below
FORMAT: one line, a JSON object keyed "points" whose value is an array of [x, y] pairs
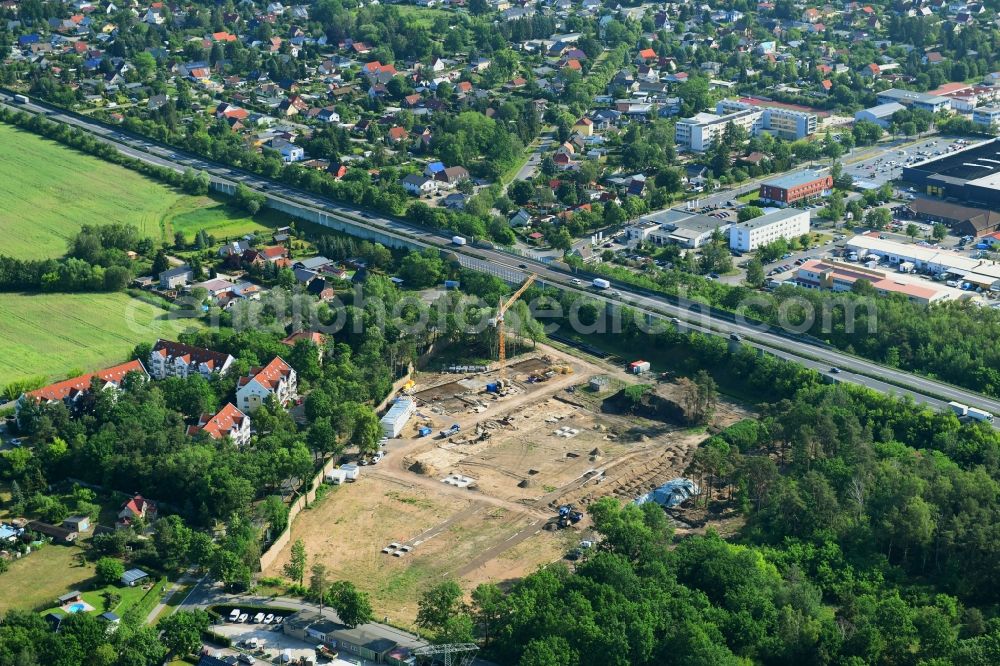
{"points": [[516, 269]]}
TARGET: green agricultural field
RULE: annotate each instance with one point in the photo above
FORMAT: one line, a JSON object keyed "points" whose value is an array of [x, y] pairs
{"points": [[48, 191], [52, 334]]}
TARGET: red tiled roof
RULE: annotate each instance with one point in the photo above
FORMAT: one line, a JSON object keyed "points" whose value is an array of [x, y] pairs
{"points": [[169, 348], [62, 390], [138, 504], [270, 375], [228, 419], [314, 337]]}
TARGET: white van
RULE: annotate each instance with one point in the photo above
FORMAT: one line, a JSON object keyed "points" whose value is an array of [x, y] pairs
{"points": [[234, 615]]}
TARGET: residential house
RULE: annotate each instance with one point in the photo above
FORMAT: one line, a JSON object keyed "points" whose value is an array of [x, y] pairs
{"points": [[136, 508], [277, 378], [289, 151], [228, 422], [172, 278], [418, 185], [451, 176], [175, 359]]}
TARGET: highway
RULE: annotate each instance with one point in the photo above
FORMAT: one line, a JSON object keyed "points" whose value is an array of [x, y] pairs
{"points": [[515, 269]]}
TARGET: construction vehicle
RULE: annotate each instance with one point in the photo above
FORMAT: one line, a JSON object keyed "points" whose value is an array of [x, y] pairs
{"points": [[568, 515], [445, 434], [498, 322]]}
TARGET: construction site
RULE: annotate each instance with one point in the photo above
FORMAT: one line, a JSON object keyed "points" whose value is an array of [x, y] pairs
{"points": [[491, 477]]}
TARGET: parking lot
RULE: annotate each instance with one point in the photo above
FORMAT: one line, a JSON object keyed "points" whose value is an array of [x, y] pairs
{"points": [[888, 165], [274, 645]]}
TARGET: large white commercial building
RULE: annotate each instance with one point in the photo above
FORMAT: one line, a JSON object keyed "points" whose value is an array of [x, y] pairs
{"points": [[979, 272], [881, 115], [750, 235], [830, 275], [665, 227]]}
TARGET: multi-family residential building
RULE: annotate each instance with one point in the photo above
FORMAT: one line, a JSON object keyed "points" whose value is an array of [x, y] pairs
{"points": [[71, 390], [785, 123], [229, 422], [752, 234], [277, 378], [175, 359], [700, 132]]}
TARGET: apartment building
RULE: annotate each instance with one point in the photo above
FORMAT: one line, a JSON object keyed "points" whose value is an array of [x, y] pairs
{"points": [[700, 132], [785, 123], [986, 115], [752, 234], [175, 359], [277, 378]]}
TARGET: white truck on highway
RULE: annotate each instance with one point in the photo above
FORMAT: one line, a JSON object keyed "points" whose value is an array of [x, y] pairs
{"points": [[601, 283], [959, 409], [980, 415], [20, 99], [457, 240]]}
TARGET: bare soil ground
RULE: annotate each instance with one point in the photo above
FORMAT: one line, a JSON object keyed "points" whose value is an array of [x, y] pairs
{"points": [[522, 455]]}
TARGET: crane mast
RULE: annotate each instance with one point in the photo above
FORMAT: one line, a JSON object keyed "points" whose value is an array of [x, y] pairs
{"points": [[501, 309]]}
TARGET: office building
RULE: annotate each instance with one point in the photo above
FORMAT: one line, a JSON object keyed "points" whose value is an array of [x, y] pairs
{"points": [[794, 187], [750, 235], [785, 123], [917, 100], [970, 175]]}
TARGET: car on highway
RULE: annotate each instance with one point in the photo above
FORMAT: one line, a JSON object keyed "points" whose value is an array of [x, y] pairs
{"points": [[523, 266], [834, 370], [576, 281]]}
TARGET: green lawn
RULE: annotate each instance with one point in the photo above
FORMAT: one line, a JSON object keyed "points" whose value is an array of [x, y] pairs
{"points": [[48, 191], [35, 580], [130, 596], [51, 334]]}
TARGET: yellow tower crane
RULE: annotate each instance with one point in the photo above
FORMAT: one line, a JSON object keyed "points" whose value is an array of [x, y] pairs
{"points": [[498, 321]]}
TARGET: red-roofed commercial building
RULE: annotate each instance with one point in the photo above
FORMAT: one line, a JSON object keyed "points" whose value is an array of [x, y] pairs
{"points": [[70, 390], [837, 276], [174, 359], [277, 378], [229, 422]]}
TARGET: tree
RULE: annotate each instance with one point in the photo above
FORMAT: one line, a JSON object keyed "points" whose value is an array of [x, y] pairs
{"points": [[318, 583], [295, 568], [201, 550], [520, 192], [160, 262], [109, 570], [351, 605], [181, 632], [912, 230], [749, 212], [755, 273], [438, 605], [939, 231], [488, 608], [172, 539], [878, 218]]}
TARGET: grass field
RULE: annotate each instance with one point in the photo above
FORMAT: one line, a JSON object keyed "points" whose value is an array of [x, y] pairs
{"points": [[35, 580], [50, 334], [48, 191]]}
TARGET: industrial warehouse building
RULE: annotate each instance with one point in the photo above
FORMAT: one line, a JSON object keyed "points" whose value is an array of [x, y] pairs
{"points": [[881, 115], [748, 236], [830, 275], [917, 100], [970, 175], [963, 220], [798, 186], [979, 272]]}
